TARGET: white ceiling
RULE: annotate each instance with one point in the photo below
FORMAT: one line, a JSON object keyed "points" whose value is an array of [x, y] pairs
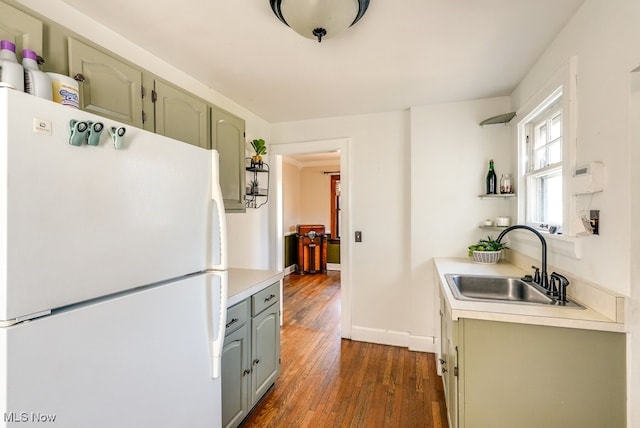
{"points": [[402, 53]]}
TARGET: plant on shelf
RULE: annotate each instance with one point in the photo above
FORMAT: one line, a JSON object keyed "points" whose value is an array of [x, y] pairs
{"points": [[260, 149], [486, 250]]}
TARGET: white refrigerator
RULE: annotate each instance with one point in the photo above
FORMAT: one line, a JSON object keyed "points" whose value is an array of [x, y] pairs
{"points": [[112, 273]]}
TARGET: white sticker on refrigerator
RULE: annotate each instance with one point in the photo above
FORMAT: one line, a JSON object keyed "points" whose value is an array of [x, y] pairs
{"points": [[41, 126]]}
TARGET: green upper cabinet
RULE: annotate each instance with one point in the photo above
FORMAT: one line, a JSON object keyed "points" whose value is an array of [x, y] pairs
{"points": [[109, 86], [23, 30], [180, 115], [227, 137]]}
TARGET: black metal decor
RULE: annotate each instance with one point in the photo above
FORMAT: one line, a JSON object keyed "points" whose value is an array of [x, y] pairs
{"points": [[318, 32]]}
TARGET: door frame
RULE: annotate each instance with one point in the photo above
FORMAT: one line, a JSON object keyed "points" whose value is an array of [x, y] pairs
{"points": [[343, 146]]}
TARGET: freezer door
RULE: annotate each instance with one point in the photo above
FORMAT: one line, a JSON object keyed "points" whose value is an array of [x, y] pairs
{"points": [[140, 360], [78, 222]]}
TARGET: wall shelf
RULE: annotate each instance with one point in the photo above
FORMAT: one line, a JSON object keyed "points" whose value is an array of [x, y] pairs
{"points": [[501, 118], [497, 196], [258, 176]]}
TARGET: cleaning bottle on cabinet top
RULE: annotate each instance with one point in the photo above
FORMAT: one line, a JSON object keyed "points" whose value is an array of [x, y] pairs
{"points": [[12, 73], [492, 184], [35, 81]]}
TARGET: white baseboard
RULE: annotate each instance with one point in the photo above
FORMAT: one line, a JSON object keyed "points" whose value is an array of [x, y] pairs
{"points": [[395, 338], [424, 344], [289, 270], [333, 266]]}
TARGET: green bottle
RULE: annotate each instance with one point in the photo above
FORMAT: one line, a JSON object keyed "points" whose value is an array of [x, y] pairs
{"points": [[492, 181]]}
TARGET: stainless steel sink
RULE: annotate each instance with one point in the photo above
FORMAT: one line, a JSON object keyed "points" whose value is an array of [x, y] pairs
{"points": [[501, 289]]}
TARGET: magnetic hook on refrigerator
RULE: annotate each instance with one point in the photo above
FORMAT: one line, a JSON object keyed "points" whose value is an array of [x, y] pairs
{"points": [[95, 131], [78, 132], [117, 134]]}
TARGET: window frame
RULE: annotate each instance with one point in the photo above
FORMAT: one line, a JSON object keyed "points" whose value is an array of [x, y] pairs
{"points": [[541, 116]]}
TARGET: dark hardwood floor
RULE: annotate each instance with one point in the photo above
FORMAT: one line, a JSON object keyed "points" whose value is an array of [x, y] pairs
{"points": [[329, 382]]}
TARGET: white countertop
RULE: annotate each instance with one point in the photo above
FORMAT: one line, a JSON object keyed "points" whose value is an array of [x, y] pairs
{"points": [[555, 316], [245, 282]]}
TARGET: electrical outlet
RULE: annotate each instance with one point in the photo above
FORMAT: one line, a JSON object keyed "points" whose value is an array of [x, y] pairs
{"points": [[358, 236]]}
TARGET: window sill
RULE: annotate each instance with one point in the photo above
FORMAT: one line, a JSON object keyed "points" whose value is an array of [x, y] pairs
{"points": [[568, 246]]}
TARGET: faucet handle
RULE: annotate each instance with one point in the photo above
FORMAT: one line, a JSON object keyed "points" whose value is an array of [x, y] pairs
{"points": [[536, 275], [553, 289], [562, 289]]}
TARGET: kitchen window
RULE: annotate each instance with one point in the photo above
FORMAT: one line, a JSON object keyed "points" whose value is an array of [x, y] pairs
{"points": [[543, 162]]}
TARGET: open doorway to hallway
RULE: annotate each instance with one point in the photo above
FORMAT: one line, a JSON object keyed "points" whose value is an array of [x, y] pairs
{"points": [[311, 200], [294, 206]]}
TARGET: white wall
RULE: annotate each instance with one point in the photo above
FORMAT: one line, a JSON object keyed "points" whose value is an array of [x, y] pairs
{"points": [[315, 196], [249, 244], [415, 184], [380, 191], [605, 37], [291, 203], [450, 156]]}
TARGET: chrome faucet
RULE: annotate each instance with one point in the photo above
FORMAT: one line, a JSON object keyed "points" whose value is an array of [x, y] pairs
{"points": [[544, 278]]}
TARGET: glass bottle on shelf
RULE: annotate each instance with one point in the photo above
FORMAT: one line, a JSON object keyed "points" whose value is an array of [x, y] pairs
{"points": [[506, 184], [491, 180]]}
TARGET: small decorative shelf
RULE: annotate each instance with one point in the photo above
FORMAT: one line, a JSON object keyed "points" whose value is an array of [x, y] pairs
{"points": [[257, 189], [501, 118], [497, 196]]}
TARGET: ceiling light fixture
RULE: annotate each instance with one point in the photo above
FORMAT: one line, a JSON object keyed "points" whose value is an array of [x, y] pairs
{"points": [[318, 19]]}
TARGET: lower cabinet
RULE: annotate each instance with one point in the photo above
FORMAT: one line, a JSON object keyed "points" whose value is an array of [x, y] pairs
{"points": [[501, 374], [251, 353]]}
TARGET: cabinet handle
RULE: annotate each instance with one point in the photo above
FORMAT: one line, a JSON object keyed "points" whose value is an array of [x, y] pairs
{"points": [[270, 298], [246, 372], [256, 361], [232, 322], [442, 361], [79, 77], [444, 370]]}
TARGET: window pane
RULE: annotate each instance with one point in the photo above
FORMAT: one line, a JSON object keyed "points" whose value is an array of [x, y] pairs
{"points": [[546, 203], [556, 127], [553, 203], [541, 136], [555, 152], [540, 158]]}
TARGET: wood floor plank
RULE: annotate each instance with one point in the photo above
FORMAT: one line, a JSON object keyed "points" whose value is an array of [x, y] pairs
{"points": [[329, 382]]}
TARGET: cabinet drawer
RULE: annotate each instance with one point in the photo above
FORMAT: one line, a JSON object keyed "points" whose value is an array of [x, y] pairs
{"points": [[237, 316], [265, 298]]}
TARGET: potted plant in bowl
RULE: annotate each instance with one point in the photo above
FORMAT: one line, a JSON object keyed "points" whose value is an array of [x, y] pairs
{"points": [[487, 251], [260, 149]]}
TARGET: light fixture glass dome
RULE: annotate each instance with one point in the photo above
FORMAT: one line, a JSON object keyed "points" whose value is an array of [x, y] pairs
{"points": [[318, 19]]}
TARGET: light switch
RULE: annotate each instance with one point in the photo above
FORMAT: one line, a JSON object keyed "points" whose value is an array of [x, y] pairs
{"points": [[358, 236], [41, 126]]}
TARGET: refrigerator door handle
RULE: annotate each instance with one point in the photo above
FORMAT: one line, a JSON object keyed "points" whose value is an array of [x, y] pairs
{"points": [[221, 227], [217, 341]]}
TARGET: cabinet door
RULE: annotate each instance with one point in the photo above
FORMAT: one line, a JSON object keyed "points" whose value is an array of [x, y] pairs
{"points": [[449, 356], [227, 137], [180, 115], [110, 88], [533, 376], [235, 377], [23, 30], [265, 351]]}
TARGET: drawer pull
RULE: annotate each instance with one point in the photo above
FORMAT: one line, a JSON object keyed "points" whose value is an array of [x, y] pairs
{"points": [[246, 372], [271, 297], [232, 322], [256, 361]]}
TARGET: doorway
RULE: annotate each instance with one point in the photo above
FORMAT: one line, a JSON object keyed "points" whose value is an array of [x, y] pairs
{"points": [[342, 146]]}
